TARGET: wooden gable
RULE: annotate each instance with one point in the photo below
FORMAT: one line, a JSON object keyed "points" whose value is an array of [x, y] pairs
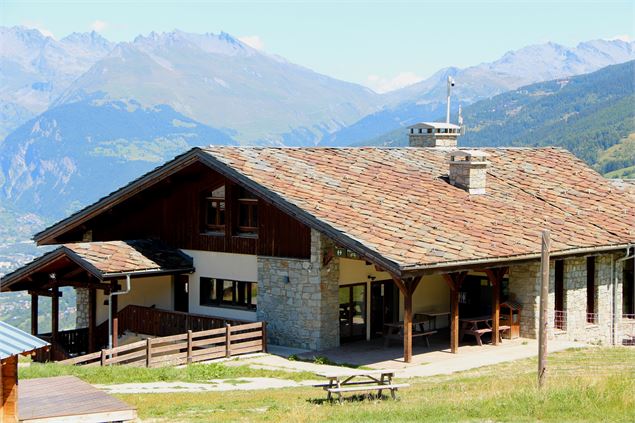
{"points": [[172, 210]]}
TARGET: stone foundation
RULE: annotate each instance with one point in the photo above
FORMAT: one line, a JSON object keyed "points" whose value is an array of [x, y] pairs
{"points": [[299, 298]]}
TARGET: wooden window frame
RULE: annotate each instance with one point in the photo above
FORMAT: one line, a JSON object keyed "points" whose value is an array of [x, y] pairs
{"points": [[242, 294], [251, 205], [220, 225]]}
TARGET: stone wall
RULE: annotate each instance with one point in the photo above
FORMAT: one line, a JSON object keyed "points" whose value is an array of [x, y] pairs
{"points": [[299, 298], [81, 299], [524, 285]]}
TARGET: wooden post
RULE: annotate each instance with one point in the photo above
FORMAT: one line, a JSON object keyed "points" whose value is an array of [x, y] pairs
{"points": [[407, 327], [34, 313], [454, 281], [55, 317], [189, 346], [92, 319], [544, 293], [264, 337], [103, 357], [228, 352], [9, 379], [495, 277], [454, 320], [495, 312], [149, 352]]}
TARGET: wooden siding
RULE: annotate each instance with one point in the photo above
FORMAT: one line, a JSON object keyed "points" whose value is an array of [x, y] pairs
{"points": [[171, 210]]}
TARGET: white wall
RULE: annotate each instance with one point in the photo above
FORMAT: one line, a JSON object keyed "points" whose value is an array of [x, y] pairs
{"points": [[145, 292], [237, 267]]}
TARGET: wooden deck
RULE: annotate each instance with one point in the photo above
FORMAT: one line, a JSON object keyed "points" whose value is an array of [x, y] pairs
{"points": [[66, 399]]}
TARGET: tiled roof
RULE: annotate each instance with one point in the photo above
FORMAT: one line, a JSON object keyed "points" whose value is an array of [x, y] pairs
{"points": [[111, 257], [397, 203], [14, 341], [104, 260]]}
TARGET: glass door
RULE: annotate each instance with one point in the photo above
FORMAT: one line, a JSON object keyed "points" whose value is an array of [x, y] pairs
{"points": [[352, 312]]}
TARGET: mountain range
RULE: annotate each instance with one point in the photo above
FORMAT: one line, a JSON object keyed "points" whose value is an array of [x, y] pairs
{"points": [[83, 109]]}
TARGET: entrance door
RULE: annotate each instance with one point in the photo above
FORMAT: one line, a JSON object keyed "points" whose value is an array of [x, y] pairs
{"points": [[384, 306], [352, 312], [181, 296]]}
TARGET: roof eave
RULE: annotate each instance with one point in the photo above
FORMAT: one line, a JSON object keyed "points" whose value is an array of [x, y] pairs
{"points": [[415, 270]]}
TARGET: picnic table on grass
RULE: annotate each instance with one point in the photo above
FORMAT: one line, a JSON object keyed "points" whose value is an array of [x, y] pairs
{"points": [[360, 380]]}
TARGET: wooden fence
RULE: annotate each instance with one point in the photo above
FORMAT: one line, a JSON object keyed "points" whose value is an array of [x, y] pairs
{"points": [[184, 348]]}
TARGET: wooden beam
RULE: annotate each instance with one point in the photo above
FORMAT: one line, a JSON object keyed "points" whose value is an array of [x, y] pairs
{"points": [[400, 285], [454, 281], [92, 319], [55, 314], [34, 313], [9, 393], [44, 293], [85, 284], [495, 277]]}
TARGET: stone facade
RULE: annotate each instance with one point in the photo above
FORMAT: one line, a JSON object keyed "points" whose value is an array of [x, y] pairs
{"points": [[81, 299], [299, 298], [524, 286]]}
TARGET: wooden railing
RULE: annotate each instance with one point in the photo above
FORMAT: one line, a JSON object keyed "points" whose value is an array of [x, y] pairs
{"points": [[158, 322], [183, 348], [69, 343]]}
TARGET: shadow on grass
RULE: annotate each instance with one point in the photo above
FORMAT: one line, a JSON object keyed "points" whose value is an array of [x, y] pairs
{"points": [[351, 399]]}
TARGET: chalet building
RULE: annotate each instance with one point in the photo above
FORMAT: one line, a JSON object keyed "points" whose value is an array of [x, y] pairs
{"points": [[327, 245]]}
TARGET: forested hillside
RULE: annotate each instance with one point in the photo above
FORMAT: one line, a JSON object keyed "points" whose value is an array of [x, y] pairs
{"points": [[591, 115]]}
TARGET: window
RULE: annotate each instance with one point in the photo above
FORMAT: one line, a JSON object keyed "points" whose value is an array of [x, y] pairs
{"points": [[560, 315], [215, 210], [247, 213], [227, 293], [590, 290]]}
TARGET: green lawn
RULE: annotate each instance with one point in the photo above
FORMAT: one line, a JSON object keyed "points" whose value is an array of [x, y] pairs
{"points": [[583, 385], [123, 374], [589, 385]]}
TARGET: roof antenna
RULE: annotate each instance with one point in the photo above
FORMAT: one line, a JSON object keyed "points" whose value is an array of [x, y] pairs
{"points": [[450, 85]]}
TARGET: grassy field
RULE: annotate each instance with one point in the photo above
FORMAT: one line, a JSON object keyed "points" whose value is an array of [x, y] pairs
{"points": [[122, 374], [590, 385]]}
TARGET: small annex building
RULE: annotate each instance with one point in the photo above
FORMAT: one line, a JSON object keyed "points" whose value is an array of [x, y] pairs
{"points": [[328, 245]]}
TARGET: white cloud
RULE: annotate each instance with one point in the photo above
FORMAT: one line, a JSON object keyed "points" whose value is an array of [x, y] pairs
{"points": [[402, 79], [253, 41], [39, 27], [99, 26], [622, 37]]}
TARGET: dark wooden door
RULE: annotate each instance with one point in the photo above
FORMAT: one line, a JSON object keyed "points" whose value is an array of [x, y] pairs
{"points": [[181, 293], [559, 295], [384, 306]]}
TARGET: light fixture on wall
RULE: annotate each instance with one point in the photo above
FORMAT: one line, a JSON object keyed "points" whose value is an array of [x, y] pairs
{"points": [[371, 278]]}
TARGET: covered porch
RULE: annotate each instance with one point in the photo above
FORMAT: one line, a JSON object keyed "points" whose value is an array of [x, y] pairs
{"points": [[120, 285], [444, 310]]}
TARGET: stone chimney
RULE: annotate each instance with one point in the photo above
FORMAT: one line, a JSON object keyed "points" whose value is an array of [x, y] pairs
{"points": [[468, 170], [434, 134]]}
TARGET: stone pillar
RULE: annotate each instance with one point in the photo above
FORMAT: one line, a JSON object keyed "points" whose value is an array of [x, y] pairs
{"points": [[82, 304], [299, 299]]}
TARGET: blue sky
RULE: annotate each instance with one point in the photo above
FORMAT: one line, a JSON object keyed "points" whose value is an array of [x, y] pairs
{"points": [[377, 43]]}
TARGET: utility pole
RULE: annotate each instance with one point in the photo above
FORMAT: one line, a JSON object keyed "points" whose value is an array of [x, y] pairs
{"points": [[450, 85], [544, 294]]}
